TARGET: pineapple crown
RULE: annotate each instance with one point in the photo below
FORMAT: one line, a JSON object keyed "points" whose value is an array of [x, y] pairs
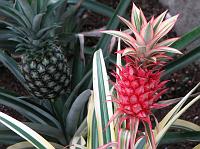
{"points": [[32, 23], [145, 46]]}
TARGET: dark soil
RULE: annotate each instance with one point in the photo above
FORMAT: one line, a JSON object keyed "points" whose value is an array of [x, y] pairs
{"points": [[180, 82]]}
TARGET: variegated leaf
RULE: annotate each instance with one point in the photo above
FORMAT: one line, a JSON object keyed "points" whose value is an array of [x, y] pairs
{"points": [[124, 36], [158, 20], [147, 32], [135, 17], [139, 38], [102, 101]]}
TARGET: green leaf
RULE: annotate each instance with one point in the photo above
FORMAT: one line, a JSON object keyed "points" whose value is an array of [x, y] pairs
{"points": [[26, 9], [95, 6], [75, 112], [28, 109], [42, 32], [37, 21], [25, 132], [8, 45], [176, 137], [50, 9], [82, 130], [46, 130], [12, 65], [5, 34], [15, 15], [182, 62], [9, 137], [78, 67], [112, 25], [75, 91], [27, 145], [186, 39]]}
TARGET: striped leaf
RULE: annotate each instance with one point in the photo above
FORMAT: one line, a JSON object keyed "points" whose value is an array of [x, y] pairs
{"points": [[186, 125], [103, 108], [124, 139], [174, 114], [92, 139], [27, 145], [25, 132]]}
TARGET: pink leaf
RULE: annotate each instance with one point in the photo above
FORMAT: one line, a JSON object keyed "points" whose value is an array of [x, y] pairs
{"points": [[165, 49], [144, 20], [147, 32], [167, 42], [158, 20], [125, 37], [106, 146], [167, 24], [135, 17], [134, 123], [139, 39]]}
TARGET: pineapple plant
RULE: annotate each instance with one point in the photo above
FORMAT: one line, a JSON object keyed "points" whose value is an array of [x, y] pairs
{"points": [[43, 64], [138, 82]]}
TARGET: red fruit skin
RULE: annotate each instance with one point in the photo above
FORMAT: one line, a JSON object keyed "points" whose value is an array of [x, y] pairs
{"points": [[138, 90]]}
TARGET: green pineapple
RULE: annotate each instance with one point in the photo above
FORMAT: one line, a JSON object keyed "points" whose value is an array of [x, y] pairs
{"points": [[43, 63]]}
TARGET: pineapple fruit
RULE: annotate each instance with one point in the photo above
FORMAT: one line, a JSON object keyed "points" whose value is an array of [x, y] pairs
{"points": [[43, 63]]}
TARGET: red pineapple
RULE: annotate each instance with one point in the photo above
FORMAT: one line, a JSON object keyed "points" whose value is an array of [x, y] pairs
{"points": [[138, 90], [138, 83]]}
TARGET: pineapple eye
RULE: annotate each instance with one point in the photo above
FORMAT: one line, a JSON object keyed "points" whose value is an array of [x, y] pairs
{"points": [[45, 62], [41, 68], [33, 65], [34, 74]]}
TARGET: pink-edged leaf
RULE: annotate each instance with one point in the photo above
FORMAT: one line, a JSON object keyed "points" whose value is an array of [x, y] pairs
{"points": [[167, 42], [165, 49], [147, 32], [124, 36], [149, 134], [162, 33], [139, 39], [106, 146], [135, 17], [169, 102], [158, 20], [152, 20], [115, 115], [158, 106], [169, 23], [157, 124], [124, 137], [134, 123], [163, 56], [128, 51], [143, 18]]}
